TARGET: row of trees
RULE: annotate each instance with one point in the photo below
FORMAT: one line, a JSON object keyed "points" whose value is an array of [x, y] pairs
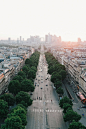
{"points": [[24, 81], [18, 88], [58, 74], [57, 71], [70, 115]]}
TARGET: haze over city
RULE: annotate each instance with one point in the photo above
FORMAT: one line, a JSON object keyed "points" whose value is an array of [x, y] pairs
{"points": [[65, 18]]}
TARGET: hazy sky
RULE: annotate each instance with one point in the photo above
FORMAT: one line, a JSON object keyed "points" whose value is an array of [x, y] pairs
{"points": [[65, 18]]}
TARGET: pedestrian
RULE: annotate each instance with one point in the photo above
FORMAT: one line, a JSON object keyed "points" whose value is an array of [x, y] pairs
{"points": [[82, 114], [78, 108], [72, 99]]}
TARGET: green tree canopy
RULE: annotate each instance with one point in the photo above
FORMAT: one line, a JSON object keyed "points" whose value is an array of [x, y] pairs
{"points": [[21, 113], [66, 106], [21, 105], [27, 61], [55, 76], [27, 85], [57, 84], [34, 68], [3, 108], [25, 69], [63, 74], [65, 100], [13, 122], [9, 98], [23, 96], [17, 107], [18, 77], [76, 125], [60, 91], [22, 73], [70, 115], [31, 74], [14, 87]]}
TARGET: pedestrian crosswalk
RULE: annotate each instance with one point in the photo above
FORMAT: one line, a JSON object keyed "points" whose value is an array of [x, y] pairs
{"points": [[46, 101], [42, 110]]}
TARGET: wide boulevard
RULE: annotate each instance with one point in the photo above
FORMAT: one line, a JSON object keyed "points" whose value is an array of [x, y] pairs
{"points": [[45, 112]]}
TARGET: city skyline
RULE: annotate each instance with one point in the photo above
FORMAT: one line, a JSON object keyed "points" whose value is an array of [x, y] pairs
{"points": [[40, 17]]}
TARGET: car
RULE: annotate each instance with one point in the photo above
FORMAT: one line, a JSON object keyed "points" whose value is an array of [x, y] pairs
{"points": [[38, 85], [46, 85], [31, 93], [41, 82], [41, 88], [83, 106], [54, 87], [79, 93]]}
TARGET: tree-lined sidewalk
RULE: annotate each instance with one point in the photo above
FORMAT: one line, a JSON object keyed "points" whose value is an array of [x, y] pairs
{"points": [[18, 88]]}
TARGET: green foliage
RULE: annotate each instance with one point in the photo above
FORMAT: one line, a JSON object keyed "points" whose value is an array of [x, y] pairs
{"points": [[60, 91], [14, 87], [18, 107], [55, 76], [34, 68], [22, 74], [70, 115], [57, 84], [21, 105], [13, 122], [63, 74], [23, 98], [9, 98], [19, 111], [66, 107], [76, 125], [3, 108], [18, 77], [27, 61], [27, 85], [25, 69], [56, 70], [65, 100], [31, 74]]}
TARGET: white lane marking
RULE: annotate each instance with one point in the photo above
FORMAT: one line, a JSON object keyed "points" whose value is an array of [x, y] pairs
{"points": [[41, 110], [74, 103], [47, 101]]}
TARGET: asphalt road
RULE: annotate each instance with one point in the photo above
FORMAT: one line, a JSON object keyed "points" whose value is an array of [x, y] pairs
{"points": [[44, 113]]}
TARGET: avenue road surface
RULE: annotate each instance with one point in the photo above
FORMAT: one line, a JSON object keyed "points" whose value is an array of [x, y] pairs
{"points": [[44, 113]]}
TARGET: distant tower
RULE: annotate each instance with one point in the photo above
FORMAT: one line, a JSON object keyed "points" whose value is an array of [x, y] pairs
{"points": [[79, 40], [9, 39], [20, 39]]}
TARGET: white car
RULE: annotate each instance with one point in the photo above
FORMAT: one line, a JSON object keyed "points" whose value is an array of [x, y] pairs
{"points": [[79, 93], [54, 87]]}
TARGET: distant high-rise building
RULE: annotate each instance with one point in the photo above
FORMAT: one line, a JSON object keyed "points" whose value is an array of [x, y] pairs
{"points": [[49, 38], [79, 40], [9, 40], [20, 39], [46, 38]]}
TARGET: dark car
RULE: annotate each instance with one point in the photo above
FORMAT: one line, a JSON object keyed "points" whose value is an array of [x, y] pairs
{"points": [[31, 93], [46, 85], [41, 88], [83, 106]]}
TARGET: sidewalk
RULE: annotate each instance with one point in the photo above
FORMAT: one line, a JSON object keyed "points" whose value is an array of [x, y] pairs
{"points": [[76, 104]]}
